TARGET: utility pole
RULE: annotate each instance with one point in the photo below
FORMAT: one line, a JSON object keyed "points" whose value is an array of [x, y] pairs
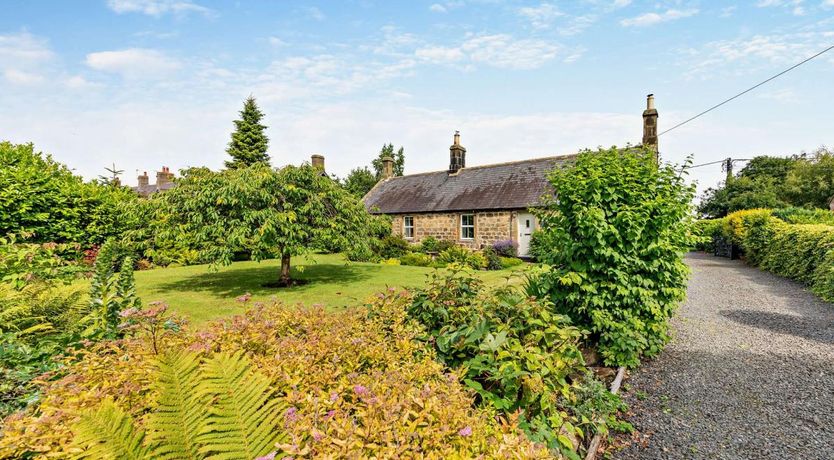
{"points": [[728, 167]]}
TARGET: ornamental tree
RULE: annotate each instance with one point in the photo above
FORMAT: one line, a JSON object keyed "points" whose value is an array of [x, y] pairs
{"points": [[614, 237], [249, 143], [261, 211]]}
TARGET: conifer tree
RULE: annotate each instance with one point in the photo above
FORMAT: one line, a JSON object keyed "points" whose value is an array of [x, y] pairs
{"points": [[249, 143]]}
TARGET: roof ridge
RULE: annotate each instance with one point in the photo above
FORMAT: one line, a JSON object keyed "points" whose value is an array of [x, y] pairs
{"points": [[555, 157]]}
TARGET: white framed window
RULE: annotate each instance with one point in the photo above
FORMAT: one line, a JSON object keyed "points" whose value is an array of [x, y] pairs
{"points": [[408, 227], [467, 226]]}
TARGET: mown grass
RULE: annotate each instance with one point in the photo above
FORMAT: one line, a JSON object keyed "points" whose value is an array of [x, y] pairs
{"points": [[201, 294]]}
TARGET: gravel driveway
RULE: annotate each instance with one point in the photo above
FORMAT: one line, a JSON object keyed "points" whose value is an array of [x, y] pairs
{"points": [[749, 373]]}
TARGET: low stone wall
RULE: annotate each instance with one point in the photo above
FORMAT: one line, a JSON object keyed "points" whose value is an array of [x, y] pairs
{"points": [[490, 227]]}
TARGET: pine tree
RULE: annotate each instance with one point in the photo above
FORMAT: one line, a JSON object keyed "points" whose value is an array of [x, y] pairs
{"points": [[249, 143]]}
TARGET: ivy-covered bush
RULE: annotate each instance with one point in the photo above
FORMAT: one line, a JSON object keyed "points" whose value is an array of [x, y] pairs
{"points": [[351, 384], [514, 351], [615, 240]]}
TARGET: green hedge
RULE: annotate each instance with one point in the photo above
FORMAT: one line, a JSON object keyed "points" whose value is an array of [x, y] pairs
{"points": [[802, 252]]}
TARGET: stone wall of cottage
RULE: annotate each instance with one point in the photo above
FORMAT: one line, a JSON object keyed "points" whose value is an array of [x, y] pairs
{"points": [[490, 227]]}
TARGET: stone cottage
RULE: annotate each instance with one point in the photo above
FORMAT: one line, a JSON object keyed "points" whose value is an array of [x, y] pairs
{"points": [[475, 206], [164, 181]]}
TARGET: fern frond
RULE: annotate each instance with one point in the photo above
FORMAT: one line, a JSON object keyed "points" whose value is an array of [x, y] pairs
{"points": [[177, 420], [244, 420], [109, 434]]}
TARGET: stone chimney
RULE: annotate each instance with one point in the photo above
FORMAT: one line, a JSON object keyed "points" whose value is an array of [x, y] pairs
{"points": [[317, 161], [457, 155], [143, 179], [387, 167], [163, 177], [650, 124]]}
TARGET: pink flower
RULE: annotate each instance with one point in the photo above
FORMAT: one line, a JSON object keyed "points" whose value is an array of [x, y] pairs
{"points": [[334, 396], [466, 431], [330, 413], [244, 298], [360, 390], [270, 456], [317, 435], [291, 415]]}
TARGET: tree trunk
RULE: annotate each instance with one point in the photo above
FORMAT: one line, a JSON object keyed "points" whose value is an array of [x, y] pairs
{"points": [[285, 269]]}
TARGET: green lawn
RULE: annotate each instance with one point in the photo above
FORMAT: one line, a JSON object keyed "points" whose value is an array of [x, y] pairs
{"points": [[202, 295]]}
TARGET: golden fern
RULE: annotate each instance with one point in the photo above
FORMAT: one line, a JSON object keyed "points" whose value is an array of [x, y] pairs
{"points": [[109, 434], [221, 410], [178, 419], [244, 419]]}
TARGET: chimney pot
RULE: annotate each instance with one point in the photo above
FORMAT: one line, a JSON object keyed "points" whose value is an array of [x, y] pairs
{"points": [[650, 125], [317, 161], [143, 179]]}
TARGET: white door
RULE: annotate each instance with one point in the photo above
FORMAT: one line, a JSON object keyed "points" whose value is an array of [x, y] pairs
{"points": [[526, 225]]}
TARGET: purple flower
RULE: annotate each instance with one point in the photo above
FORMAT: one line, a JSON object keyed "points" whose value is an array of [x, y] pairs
{"points": [[360, 390], [330, 413], [270, 456], [334, 396], [291, 415], [317, 435], [466, 431]]}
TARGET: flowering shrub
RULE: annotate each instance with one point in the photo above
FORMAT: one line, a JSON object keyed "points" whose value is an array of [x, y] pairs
{"points": [[506, 248], [416, 259], [462, 256], [356, 384]]}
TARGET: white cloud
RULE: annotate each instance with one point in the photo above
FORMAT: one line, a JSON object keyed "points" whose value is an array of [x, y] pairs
{"points": [[277, 42], [795, 6], [828, 3], [20, 77], [133, 62], [23, 47], [315, 13], [648, 19], [157, 7], [542, 16], [497, 50], [728, 11], [576, 25], [621, 3], [438, 8]]}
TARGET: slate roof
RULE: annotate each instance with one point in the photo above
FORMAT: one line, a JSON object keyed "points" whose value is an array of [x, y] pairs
{"points": [[516, 185]]}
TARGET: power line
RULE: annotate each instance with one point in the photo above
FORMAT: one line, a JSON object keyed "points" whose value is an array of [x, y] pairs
{"points": [[748, 90]]}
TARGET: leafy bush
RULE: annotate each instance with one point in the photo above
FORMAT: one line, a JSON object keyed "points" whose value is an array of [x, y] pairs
{"points": [[492, 258], [706, 230], [749, 230], [615, 240], [112, 290], [432, 244], [416, 259], [43, 197], [506, 248], [509, 262], [22, 263], [516, 353], [805, 216], [462, 256], [393, 247], [346, 378]]}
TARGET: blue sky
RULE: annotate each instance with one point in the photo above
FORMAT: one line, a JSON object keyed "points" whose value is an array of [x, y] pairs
{"points": [[147, 83]]}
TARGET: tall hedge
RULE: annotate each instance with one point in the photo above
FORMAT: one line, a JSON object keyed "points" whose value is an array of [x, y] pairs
{"points": [[802, 252], [615, 237]]}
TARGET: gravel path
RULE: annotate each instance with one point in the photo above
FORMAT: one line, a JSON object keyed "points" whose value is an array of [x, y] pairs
{"points": [[748, 375]]}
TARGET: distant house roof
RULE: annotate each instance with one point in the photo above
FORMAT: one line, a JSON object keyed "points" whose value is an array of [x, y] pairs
{"points": [[516, 185], [149, 189]]}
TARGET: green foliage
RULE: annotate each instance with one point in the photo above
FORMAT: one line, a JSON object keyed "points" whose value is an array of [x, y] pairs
{"points": [[388, 151], [509, 262], [615, 240], [393, 247], [261, 211], [360, 181], [112, 290], [742, 193], [513, 350], [794, 215], [42, 197], [249, 143], [432, 244], [416, 259], [20, 363], [493, 260], [463, 256], [706, 230], [23, 263], [222, 409], [811, 182]]}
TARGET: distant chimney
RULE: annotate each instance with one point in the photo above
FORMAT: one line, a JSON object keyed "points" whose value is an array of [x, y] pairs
{"points": [[163, 177], [650, 124], [387, 167], [457, 155], [143, 179], [317, 161]]}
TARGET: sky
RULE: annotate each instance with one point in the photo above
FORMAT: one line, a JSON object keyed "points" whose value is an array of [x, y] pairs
{"points": [[151, 83]]}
